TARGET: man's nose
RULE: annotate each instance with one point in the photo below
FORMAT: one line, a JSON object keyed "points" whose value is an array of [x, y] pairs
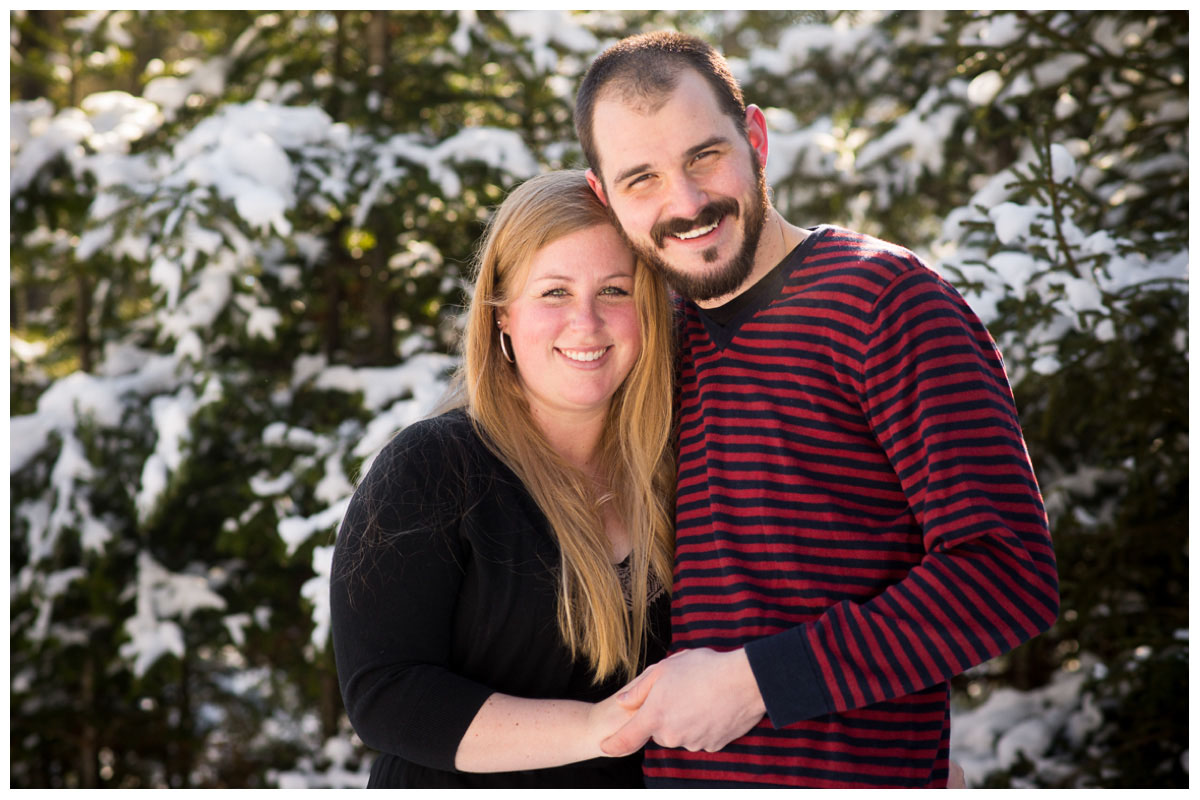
{"points": [[687, 198]]}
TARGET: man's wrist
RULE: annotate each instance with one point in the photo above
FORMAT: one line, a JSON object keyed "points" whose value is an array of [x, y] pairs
{"points": [[788, 680], [746, 681]]}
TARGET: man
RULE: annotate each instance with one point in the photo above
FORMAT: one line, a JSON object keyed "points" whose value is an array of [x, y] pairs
{"points": [[857, 517]]}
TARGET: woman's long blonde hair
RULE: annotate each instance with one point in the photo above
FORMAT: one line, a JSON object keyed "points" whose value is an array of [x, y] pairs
{"points": [[636, 448]]}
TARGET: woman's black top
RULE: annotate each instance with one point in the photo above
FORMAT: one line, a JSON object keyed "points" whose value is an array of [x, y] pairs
{"points": [[454, 600]]}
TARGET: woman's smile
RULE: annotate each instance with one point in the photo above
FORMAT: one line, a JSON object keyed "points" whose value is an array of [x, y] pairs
{"points": [[589, 356]]}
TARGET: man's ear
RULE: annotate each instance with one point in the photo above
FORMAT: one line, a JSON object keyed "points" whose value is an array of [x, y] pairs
{"points": [[597, 186], [756, 131]]}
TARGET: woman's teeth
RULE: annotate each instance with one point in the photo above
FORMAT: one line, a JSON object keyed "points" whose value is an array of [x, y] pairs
{"points": [[584, 355]]}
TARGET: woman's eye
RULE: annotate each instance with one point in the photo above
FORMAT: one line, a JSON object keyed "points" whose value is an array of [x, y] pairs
{"points": [[560, 292], [614, 291]]}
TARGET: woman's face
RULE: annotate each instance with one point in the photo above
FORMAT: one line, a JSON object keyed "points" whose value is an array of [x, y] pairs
{"points": [[573, 323]]}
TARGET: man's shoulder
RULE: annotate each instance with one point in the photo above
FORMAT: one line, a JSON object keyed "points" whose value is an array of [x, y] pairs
{"points": [[848, 263], [834, 246]]}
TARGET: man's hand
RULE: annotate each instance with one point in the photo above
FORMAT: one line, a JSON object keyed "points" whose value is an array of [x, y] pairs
{"points": [[696, 699]]}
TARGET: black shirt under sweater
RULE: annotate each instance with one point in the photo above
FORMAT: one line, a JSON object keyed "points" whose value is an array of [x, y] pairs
{"points": [[458, 603]]}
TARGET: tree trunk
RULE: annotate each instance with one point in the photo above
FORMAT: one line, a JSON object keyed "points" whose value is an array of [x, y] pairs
{"points": [[379, 302], [88, 749], [334, 106], [377, 50], [83, 326], [30, 85], [331, 706], [379, 317], [184, 732], [333, 297]]}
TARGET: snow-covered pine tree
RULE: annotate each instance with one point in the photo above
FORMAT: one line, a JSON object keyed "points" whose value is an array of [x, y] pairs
{"points": [[234, 277]]}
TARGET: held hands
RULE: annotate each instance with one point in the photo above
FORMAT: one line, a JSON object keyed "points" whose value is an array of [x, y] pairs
{"points": [[696, 699], [603, 720]]}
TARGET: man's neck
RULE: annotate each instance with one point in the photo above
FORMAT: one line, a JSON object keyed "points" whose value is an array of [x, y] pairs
{"points": [[779, 237]]}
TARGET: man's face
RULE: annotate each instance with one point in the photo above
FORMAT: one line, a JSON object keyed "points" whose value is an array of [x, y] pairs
{"points": [[684, 186]]}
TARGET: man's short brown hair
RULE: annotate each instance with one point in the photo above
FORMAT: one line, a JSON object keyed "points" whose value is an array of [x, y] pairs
{"points": [[646, 68]]}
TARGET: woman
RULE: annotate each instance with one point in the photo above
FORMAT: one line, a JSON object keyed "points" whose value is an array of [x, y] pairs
{"points": [[501, 570]]}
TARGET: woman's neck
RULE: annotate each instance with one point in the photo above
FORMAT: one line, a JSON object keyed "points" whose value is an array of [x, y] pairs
{"points": [[576, 440]]}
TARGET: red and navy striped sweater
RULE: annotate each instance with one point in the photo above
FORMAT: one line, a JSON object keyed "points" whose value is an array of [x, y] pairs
{"points": [[856, 508]]}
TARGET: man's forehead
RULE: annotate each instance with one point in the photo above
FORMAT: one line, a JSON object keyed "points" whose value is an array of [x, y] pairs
{"points": [[638, 99], [621, 140]]}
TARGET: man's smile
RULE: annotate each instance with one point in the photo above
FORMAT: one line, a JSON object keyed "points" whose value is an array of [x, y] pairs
{"points": [[697, 232], [705, 222]]}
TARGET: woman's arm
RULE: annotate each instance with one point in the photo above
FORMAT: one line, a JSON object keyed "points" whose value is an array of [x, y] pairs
{"points": [[394, 601], [517, 733], [398, 568]]}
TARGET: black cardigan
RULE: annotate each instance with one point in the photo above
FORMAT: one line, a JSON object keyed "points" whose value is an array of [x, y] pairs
{"points": [[458, 602]]}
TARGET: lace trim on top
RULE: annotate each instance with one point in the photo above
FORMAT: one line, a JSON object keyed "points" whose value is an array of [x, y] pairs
{"points": [[625, 575]]}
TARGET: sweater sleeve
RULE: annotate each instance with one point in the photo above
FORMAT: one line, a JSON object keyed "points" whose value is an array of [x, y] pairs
{"points": [[935, 395], [398, 566]]}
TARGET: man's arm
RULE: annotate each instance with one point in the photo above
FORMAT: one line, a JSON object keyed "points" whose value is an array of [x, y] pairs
{"points": [[934, 393]]}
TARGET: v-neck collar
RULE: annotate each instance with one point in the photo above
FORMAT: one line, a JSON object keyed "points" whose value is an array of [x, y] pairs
{"points": [[724, 321]]}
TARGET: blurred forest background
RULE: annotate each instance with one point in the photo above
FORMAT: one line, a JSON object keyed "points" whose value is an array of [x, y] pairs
{"points": [[238, 243]]}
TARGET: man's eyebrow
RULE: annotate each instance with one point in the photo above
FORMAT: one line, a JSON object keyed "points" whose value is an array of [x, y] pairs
{"points": [[690, 153], [707, 143], [629, 173]]}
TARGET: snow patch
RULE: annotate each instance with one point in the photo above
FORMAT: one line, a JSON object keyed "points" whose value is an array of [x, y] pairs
{"points": [[163, 596]]}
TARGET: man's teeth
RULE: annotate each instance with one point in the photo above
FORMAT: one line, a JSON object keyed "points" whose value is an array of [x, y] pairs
{"points": [[692, 234], [584, 355]]}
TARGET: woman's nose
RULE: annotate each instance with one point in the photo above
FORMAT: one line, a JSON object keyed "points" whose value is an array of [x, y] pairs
{"points": [[587, 315]]}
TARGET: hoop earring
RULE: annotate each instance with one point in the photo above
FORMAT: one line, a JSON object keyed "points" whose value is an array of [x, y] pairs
{"points": [[504, 349]]}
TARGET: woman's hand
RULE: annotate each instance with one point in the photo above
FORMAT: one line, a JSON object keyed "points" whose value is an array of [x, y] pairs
{"points": [[606, 718]]}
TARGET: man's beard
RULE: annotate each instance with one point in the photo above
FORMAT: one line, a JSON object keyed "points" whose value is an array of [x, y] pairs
{"points": [[722, 280]]}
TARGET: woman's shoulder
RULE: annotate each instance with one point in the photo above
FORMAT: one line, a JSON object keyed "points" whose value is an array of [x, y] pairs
{"points": [[441, 439], [427, 468], [439, 454]]}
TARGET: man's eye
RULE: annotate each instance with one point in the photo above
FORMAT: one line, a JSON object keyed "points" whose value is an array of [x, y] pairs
{"points": [[703, 155]]}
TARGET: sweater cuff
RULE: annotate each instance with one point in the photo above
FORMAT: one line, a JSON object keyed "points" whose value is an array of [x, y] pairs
{"points": [[438, 721], [791, 687]]}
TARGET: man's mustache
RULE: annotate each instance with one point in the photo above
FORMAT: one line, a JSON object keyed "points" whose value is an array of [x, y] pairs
{"points": [[708, 215]]}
